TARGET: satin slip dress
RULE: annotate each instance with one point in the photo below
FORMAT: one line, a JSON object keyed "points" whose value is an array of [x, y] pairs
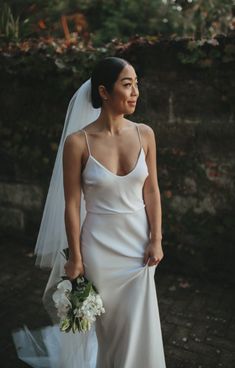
{"points": [[113, 238]]}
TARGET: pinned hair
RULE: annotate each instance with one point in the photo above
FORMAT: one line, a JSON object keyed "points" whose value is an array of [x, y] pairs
{"points": [[106, 72]]}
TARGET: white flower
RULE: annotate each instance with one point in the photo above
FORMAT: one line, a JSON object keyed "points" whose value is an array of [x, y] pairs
{"points": [[91, 307], [60, 297], [62, 311], [65, 285], [99, 300], [63, 305]]}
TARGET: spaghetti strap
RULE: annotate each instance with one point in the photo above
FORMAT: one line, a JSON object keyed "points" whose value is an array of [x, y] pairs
{"points": [[87, 142], [139, 135]]}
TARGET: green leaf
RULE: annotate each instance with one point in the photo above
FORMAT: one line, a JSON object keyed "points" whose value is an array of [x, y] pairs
{"points": [[65, 325], [74, 325]]}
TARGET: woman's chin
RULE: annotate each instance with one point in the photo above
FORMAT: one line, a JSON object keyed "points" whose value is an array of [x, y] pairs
{"points": [[130, 110]]}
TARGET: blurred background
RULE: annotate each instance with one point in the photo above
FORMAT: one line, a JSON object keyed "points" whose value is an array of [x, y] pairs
{"points": [[99, 21], [184, 53]]}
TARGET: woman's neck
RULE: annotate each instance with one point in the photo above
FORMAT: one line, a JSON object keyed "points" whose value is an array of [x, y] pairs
{"points": [[112, 123]]}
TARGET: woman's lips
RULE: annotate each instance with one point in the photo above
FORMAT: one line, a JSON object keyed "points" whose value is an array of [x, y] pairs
{"points": [[132, 103]]}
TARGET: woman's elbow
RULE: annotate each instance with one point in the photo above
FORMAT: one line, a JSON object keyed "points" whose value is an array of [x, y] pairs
{"points": [[72, 205]]}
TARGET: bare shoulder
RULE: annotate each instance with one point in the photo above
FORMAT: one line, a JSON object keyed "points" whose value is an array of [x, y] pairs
{"points": [[146, 131], [74, 142], [74, 139]]}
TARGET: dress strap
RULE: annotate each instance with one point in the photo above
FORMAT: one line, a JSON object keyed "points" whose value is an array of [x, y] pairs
{"points": [[87, 141], [139, 134]]}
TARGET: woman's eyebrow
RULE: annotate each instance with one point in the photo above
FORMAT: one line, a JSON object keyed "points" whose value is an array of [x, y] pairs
{"points": [[127, 78]]}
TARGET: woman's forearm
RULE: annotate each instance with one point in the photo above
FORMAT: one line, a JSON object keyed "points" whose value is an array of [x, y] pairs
{"points": [[72, 225], [154, 212]]}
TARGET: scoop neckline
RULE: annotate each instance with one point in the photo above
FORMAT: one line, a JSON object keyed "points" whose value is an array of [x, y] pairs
{"points": [[109, 171]]}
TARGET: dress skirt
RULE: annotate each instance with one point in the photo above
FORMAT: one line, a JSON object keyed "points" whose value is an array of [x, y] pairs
{"points": [[129, 332]]}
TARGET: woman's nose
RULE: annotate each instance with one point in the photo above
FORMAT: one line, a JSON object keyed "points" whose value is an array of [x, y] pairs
{"points": [[135, 91]]}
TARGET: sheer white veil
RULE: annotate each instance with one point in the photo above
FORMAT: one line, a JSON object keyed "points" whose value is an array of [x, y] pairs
{"points": [[52, 235]]}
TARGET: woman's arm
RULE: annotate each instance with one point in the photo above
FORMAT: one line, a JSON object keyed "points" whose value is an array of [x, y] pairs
{"points": [[72, 193], [152, 199]]}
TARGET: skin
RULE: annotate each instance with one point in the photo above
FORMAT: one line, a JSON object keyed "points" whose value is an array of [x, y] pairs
{"points": [[116, 132]]}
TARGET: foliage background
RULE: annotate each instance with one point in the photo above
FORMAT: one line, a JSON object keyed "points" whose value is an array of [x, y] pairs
{"points": [[122, 19]]}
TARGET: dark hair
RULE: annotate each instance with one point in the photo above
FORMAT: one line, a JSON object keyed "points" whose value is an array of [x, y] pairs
{"points": [[106, 72]]}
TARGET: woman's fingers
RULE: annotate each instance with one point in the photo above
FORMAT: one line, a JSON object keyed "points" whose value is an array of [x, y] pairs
{"points": [[150, 260], [153, 261], [146, 257], [152, 255]]}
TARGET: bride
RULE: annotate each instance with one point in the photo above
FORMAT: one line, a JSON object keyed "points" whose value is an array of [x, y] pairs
{"points": [[103, 204]]}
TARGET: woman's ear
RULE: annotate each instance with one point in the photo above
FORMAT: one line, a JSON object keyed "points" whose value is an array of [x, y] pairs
{"points": [[103, 92]]}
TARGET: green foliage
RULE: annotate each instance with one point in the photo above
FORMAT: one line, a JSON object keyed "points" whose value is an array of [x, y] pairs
{"points": [[207, 53], [9, 26], [109, 19]]}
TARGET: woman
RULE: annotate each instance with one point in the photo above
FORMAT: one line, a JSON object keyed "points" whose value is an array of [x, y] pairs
{"points": [[104, 204], [122, 230]]}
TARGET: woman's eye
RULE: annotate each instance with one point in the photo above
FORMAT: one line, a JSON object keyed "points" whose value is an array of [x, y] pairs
{"points": [[129, 84]]}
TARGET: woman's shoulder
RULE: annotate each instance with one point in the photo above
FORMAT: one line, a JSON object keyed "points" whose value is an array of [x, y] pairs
{"points": [[145, 129], [78, 136], [75, 140], [143, 126]]}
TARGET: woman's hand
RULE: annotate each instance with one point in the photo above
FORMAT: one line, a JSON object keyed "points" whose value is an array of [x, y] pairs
{"points": [[74, 268], [153, 253]]}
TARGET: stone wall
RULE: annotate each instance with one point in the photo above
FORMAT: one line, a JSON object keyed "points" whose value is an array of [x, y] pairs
{"points": [[191, 109], [20, 205]]}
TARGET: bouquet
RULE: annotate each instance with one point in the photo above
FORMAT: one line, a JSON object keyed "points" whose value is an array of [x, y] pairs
{"points": [[77, 303]]}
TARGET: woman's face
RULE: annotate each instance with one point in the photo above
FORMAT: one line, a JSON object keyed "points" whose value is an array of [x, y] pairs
{"points": [[125, 92]]}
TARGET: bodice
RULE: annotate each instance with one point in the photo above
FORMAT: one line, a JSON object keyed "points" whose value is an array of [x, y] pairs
{"points": [[106, 192]]}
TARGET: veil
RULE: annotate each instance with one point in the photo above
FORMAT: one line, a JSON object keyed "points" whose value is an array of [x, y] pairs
{"points": [[49, 347], [52, 236]]}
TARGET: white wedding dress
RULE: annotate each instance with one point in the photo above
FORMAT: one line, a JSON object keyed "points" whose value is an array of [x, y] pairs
{"points": [[114, 235]]}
